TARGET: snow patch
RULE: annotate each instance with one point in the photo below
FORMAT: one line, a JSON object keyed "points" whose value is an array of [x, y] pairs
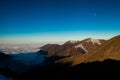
{"points": [[81, 46], [94, 41]]}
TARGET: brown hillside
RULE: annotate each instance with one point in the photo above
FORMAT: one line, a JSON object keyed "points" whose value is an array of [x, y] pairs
{"points": [[108, 50], [71, 48]]}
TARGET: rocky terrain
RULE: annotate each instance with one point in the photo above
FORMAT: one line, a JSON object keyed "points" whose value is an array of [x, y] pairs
{"points": [[71, 48]]}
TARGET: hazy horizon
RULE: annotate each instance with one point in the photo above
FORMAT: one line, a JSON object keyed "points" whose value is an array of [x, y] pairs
{"points": [[52, 40], [57, 21]]}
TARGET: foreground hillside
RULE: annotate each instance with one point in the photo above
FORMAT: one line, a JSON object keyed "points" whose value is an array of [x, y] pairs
{"points": [[107, 68], [100, 70]]}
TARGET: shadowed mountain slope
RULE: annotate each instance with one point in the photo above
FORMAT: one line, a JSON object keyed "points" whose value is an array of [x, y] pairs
{"points": [[106, 69]]}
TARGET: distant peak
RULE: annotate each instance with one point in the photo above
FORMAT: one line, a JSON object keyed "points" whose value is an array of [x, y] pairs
{"points": [[72, 41], [95, 41], [92, 40], [87, 39]]}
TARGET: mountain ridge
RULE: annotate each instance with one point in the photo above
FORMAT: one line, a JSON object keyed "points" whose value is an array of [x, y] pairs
{"points": [[108, 50], [71, 48]]}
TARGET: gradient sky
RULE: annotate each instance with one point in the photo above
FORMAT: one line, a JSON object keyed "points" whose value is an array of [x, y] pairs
{"points": [[34, 21]]}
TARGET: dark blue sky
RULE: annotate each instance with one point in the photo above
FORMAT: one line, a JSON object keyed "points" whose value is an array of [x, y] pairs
{"points": [[52, 18]]}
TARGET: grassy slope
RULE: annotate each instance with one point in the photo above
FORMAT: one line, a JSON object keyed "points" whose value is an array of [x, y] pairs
{"points": [[108, 50]]}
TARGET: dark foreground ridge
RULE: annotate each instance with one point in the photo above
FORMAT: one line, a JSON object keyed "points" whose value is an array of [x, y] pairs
{"points": [[65, 72], [59, 71]]}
